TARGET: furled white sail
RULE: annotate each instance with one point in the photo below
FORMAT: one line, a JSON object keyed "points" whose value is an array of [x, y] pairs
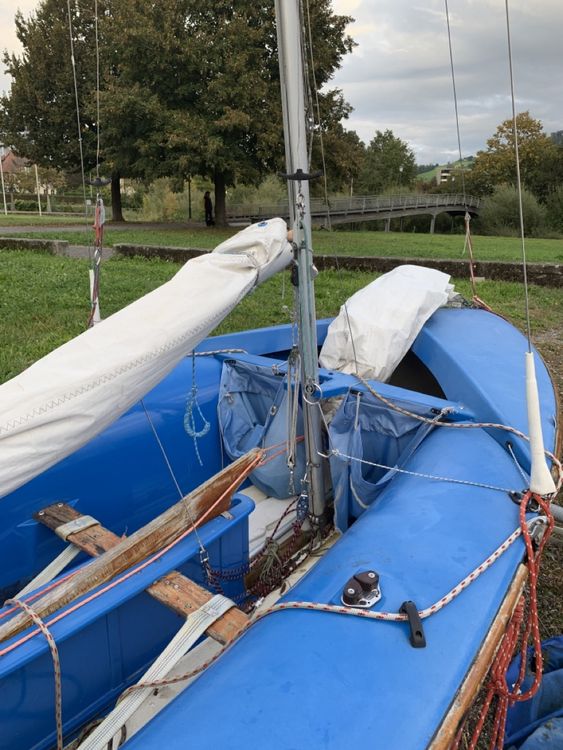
{"points": [[377, 325], [65, 399]]}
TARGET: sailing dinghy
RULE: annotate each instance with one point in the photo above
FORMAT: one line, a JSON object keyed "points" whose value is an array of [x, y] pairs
{"points": [[209, 507]]}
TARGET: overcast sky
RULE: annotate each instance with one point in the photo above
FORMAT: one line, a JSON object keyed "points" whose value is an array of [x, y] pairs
{"points": [[398, 76]]}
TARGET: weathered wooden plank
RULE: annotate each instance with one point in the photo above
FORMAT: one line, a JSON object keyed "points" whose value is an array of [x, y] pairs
{"points": [[94, 540], [184, 596], [173, 590], [474, 679], [209, 500]]}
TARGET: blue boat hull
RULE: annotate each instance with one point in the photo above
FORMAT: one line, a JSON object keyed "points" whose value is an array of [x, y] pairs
{"points": [[297, 678]]}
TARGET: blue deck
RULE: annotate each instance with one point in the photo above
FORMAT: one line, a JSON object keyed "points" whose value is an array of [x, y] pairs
{"points": [[319, 680], [299, 679]]}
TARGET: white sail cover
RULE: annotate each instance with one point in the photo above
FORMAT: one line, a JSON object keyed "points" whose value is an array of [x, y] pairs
{"points": [[377, 325], [68, 397]]}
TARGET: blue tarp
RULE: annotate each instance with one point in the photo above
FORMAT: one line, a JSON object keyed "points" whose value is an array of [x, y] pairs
{"points": [[253, 402], [368, 430], [537, 724]]}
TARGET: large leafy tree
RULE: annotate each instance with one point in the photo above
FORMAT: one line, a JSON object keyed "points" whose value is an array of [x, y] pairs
{"points": [[189, 87], [541, 162], [38, 116], [203, 79], [389, 161]]}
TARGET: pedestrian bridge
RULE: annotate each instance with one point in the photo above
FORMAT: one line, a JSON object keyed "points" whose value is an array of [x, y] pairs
{"points": [[365, 208]]}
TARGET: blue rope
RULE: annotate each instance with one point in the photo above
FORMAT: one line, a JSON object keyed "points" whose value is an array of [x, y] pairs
{"points": [[192, 410]]}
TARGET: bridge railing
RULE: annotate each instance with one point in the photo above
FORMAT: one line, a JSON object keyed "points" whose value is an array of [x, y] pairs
{"points": [[358, 204]]}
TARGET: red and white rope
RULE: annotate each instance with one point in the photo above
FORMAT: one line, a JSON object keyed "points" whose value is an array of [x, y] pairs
{"points": [[56, 664]]}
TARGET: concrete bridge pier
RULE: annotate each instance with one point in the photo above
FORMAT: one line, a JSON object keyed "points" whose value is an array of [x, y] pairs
{"points": [[388, 224], [433, 221]]}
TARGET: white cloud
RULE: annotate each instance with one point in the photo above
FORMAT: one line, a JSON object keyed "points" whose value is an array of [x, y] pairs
{"points": [[8, 38], [399, 76]]}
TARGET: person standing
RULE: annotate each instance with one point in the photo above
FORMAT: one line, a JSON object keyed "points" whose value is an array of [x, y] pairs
{"points": [[208, 206]]}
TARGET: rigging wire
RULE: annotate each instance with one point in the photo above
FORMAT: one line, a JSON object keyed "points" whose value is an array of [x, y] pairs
{"points": [[97, 88], [518, 181], [468, 244], [74, 78], [456, 105], [321, 143], [318, 111], [190, 514]]}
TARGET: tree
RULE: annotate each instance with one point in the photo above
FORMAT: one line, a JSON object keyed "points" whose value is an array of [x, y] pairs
{"points": [[38, 116], [388, 161], [541, 166], [188, 87], [205, 95]]}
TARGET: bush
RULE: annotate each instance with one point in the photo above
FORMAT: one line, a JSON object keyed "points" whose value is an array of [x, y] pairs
{"points": [[554, 207], [28, 206], [500, 213]]}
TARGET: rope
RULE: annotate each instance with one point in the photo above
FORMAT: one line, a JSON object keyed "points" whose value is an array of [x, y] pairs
{"points": [[42, 627], [461, 425], [497, 686], [192, 406], [352, 612]]}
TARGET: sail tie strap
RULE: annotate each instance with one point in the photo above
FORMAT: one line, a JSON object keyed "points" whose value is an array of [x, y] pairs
{"points": [[192, 630], [56, 664], [52, 570]]}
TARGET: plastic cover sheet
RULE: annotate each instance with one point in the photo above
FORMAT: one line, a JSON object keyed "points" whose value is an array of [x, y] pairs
{"points": [[377, 325], [66, 398]]}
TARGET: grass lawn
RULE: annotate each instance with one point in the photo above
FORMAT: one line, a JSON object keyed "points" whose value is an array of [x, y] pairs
{"points": [[25, 219], [393, 244], [44, 300]]}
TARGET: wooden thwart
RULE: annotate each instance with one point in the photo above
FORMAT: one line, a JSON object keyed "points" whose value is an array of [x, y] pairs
{"points": [[120, 554], [94, 540], [174, 590]]}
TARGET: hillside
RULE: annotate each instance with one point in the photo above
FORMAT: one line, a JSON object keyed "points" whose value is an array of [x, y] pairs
{"points": [[432, 173]]}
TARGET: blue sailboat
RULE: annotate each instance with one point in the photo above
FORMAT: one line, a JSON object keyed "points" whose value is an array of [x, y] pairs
{"points": [[286, 554]]}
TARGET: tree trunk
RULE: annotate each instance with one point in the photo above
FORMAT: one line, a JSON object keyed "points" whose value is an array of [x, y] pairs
{"points": [[116, 211], [220, 202]]}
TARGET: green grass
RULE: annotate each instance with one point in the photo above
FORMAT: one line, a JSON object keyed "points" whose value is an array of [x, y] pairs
{"points": [[23, 220], [44, 300], [385, 244]]}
